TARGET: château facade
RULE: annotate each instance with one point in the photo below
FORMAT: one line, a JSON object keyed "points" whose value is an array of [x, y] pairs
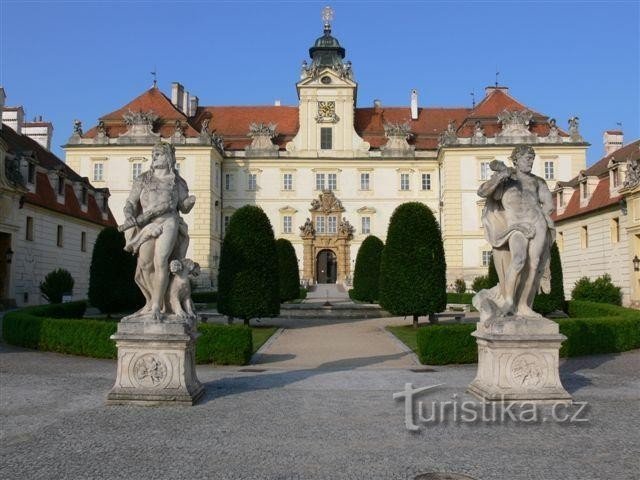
{"points": [[326, 171]]}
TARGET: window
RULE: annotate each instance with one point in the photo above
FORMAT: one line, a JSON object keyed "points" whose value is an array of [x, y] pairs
{"points": [[404, 181], [59, 236], [615, 178], [366, 225], [31, 173], [287, 181], [560, 198], [548, 171], [585, 190], [286, 224], [332, 181], [484, 171], [98, 172], [136, 170], [29, 231], [320, 225], [615, 230], [105, 203], [60, 186], [320, 177], [228, 181], [332, 224], [365, 181], [584, 237], [252, 181], [326, 138], [225, 224], [83, 195], [426, 181], [486, 258], [83, 241]]}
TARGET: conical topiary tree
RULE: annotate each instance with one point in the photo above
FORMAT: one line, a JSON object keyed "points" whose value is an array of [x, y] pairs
{"points": [[366, 275], [248, 284], [554, 300], [413, 268], [492, 275], [288, 273], [112, 286]]}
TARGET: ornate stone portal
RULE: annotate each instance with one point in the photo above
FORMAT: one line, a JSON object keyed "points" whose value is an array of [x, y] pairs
{"points": [[517, 348], [156, 345], [326, 229]]}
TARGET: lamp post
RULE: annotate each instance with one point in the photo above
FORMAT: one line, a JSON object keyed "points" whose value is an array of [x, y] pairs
{"points": [[636, 263]]}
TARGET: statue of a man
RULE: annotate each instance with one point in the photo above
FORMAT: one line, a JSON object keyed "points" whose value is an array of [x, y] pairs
{"points": [[518, 226], [154, 228]]}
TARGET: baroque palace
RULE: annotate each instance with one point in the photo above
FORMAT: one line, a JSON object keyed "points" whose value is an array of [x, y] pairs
{"points": [[326, 172]]}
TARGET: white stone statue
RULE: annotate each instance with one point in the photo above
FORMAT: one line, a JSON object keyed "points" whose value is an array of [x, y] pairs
{"points": [[155, 230], [518, 226]]}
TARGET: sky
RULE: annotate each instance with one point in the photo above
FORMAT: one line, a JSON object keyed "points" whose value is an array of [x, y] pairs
{"points": [[83, 59]]}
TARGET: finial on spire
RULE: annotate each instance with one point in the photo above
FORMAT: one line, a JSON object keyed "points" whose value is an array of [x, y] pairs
{"points": [[473, 99], [155, 77], [497, 73], [327, 18]]}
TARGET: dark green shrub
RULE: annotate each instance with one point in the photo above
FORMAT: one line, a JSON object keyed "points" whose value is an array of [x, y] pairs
{"points": [[302, 293], [288, 273], [366, 275], [545, 303], [413, 269], [481, 282], [224, 344], [492, 274], [248, 278], [600, 290], [460, 298], [460, 285], [112, 286], [444, 344], [204, 297], [56, 284]]}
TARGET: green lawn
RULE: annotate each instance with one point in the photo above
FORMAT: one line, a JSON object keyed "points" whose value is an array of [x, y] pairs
{"points": [[407, 335], [261, 335]]}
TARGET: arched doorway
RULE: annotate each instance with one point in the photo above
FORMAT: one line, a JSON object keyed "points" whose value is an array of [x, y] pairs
{"points": [[326, 267]]}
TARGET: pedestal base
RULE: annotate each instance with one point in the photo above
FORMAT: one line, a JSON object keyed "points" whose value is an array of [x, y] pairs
{"points": [[156, 364], [518, 361]]}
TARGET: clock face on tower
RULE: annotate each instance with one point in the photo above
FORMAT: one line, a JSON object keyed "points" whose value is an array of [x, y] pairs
{"points": [[326, 112]]}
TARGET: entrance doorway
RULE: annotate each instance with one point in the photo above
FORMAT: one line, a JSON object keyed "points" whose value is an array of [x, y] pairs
{"points": [[326, 267]]}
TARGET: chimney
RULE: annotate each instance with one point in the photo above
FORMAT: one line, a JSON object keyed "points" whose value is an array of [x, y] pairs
{"points": [[3, 97], [193, 106], [177, 95], [494, 88], [40, 131], [185, 103], [13, 117], [276, 103], [414, 104], [612, 140], [377, 106]]}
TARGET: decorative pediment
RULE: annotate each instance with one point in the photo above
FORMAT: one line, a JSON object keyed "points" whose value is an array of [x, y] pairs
{"points": [[262, 136], [139, 127], [326, 203], [366, 211], [288, 210], [397, 145], [515, 127], [341, 74]]}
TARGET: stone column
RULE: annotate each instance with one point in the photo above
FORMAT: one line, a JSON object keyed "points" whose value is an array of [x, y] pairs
{"points": [[308, 259]]}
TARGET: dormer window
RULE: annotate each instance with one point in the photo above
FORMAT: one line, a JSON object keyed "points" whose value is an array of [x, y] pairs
{"points": [[31, 173], [560, 199], [615, 177], [105, 204], [83, 195], [60, 185], [584, 188]]}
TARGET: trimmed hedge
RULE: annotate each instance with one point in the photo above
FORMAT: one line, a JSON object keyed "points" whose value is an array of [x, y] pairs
{"points": [[598, 328], [45, 328], [460, 298], [224, 344], [302, 293], [367, 272], [600, 290], [288, 272]]}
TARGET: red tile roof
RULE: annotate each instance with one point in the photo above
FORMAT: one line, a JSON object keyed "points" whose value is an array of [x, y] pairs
{"points": [[601, 196], [45, 196], [232, 122]]}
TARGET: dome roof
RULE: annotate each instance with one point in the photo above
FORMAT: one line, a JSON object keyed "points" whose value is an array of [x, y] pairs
{"points": [[326, 51]]}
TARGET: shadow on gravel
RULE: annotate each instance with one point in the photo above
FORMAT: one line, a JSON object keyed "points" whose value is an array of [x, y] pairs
{"points": [[574, 381], [236, 385]]}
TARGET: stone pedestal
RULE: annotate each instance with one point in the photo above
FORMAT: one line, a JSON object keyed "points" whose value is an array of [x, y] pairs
{"points": [[518, 361], [156, 364]]}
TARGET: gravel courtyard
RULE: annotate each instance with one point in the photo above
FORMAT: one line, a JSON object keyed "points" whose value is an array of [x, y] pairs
{"points": [[331, 421]]}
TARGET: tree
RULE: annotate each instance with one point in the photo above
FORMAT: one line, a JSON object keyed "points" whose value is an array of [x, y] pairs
{"points": [[601, 290], [461, 285], [57, 283], [413, 269], [248, 284], [112, 286], [288, 273], [366, 275], [554, 300]]}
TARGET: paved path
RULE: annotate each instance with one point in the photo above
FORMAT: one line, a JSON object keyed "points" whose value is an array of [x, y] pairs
{"points": [[336, 344], [302, 424]]}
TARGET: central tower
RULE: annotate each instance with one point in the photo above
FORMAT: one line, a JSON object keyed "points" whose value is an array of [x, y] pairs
{"points": [[327, 99]]}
